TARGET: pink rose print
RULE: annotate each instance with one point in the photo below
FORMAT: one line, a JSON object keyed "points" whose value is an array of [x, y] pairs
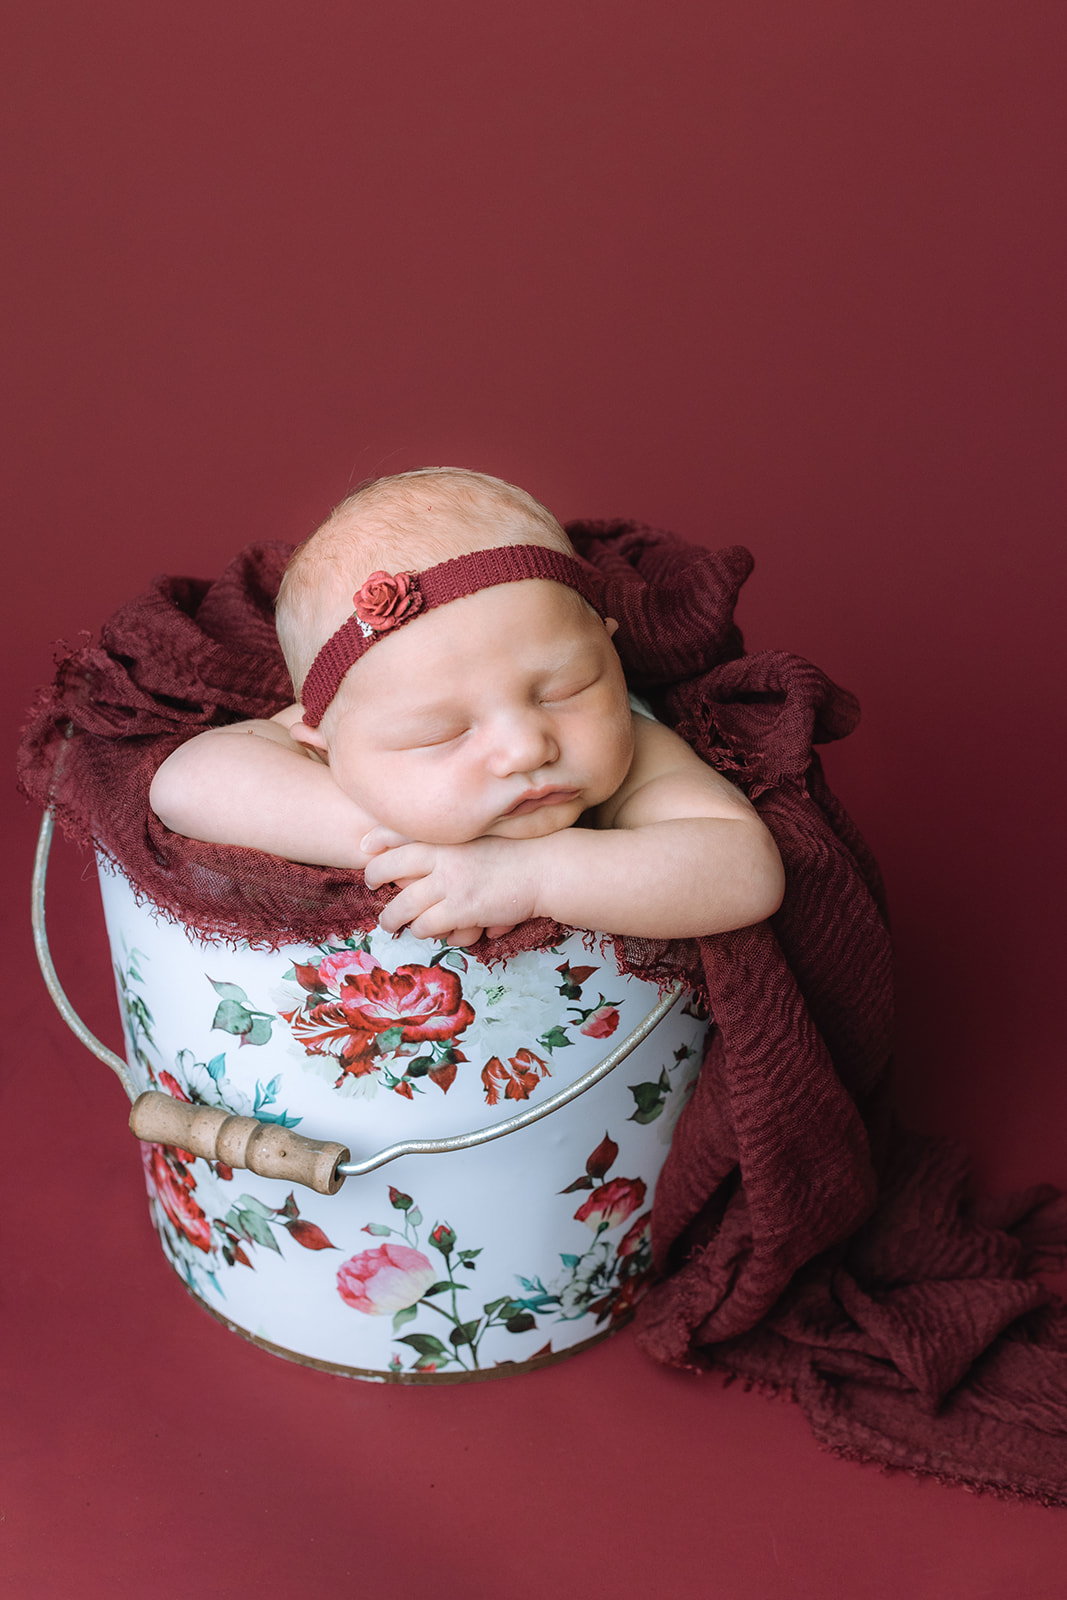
{"points": [[611, 1204], [387, 599], [173, 1185], [386, 1279], [601, 1023], [334, 969]]}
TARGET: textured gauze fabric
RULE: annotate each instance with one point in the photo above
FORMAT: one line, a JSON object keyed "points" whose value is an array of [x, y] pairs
{"points": [[804, 1242]]}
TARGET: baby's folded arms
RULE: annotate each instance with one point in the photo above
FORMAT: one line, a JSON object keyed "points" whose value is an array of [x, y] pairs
{"points": [[676, 852]]}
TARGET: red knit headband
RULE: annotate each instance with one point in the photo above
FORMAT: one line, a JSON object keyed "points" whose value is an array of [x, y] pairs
{"points": [[390, 599]]}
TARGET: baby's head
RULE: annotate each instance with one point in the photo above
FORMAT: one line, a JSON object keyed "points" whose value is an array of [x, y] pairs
{"points": [[501, 712]]}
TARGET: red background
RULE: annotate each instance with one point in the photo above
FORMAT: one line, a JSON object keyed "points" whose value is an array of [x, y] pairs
{"points": [[784, 272]]}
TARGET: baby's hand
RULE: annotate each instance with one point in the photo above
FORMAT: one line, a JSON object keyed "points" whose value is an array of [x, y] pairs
{"points": [[454, 891], [379, 839]]}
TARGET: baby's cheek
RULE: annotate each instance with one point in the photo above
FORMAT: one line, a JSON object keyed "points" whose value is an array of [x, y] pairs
{"points": [[617, 759], [429, 813]]}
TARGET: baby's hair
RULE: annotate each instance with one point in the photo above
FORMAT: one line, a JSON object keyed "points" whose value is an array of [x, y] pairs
{"points": [[402, 523]]}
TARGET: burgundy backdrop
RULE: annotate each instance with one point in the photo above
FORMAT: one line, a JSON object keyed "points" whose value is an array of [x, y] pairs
{"points": [[783, 272]]}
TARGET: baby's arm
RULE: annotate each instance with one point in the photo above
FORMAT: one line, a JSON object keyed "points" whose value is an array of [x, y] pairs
{"points": [[677, 852], [251, 784]]}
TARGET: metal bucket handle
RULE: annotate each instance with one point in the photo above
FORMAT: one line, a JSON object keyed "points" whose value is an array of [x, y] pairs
{"points": [[267, 1148]]}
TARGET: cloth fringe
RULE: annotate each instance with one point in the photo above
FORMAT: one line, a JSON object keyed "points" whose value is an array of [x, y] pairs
{"points": [[807, 1247]]}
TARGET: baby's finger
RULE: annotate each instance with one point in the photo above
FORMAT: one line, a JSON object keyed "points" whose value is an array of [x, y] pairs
{"points": [[460, 938], [412, 902], [499, 932], [379, 839], [392, 865], [435, 923]]}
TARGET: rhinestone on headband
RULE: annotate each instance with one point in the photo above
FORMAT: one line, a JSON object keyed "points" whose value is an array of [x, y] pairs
{"points": [[389, 600]]}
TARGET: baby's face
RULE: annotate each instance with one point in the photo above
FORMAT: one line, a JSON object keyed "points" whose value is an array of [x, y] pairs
{"points": [[503, 713]]}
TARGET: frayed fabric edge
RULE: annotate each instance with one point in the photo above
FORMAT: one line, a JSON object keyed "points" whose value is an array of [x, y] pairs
{"points": [[1052, 1500]]}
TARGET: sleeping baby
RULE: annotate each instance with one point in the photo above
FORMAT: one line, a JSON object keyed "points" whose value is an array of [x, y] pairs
{"points": [[466, 733]]}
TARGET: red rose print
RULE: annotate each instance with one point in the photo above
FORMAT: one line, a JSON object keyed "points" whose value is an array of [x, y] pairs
{"points": [[325, 1030], [444, 1075], [611, 1204], [636, 1236], [307, 976], [386, 1279], [309, 1234], [602, 1157], [387, 599], [423, 1002], [173, 1185], [575, 976], [520, 1077], [601, 1023], [170, 1085], [351, 1000], [629, 1292]]}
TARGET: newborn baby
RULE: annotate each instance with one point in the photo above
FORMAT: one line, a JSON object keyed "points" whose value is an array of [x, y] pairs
{"points": [[467, 734]]}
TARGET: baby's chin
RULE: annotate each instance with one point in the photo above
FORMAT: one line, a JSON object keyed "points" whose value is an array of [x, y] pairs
{"points": [[536, 824]]}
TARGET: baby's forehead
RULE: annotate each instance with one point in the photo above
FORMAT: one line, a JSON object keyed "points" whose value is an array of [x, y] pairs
{"points": [[456, 650]]}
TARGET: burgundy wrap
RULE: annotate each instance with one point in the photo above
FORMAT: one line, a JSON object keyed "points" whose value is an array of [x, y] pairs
{"points": [[805, 1242]]}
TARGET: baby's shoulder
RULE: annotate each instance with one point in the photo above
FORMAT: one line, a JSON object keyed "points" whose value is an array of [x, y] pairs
{"points": [[657, 750], [667, 780]]}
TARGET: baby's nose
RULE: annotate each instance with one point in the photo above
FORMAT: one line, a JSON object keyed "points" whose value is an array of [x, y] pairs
{"points": [[523, 744]]}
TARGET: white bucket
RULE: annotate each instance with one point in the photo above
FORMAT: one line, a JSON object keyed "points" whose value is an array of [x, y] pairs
{"points": [[436, 1267]]}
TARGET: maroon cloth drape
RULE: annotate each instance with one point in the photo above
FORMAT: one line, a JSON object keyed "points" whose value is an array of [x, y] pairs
{"points": [[804, 1242]]}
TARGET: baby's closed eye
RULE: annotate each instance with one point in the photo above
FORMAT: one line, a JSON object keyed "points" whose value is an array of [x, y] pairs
{"points": [[429, 737], [556, 693]]}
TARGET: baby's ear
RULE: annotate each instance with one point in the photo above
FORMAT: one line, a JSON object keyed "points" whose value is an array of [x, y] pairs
{"points": [[309, 736], [612, 626]]}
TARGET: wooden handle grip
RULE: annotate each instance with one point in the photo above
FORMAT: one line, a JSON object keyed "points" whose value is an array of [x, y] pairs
{"points": [[263, 1147]]}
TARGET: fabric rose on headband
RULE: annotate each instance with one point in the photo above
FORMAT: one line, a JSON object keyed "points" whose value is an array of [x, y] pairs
{"points": [[387, 599]]}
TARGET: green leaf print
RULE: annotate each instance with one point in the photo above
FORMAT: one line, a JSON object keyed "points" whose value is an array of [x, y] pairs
{"points": [[232, 1017], [228, 991], [425, 1343]]}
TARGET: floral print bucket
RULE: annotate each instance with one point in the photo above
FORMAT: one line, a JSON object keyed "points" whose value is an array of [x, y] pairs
{"points": [[436, 1267]]}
